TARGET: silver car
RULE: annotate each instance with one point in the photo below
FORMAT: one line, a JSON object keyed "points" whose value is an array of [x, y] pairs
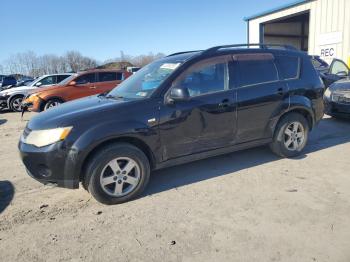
{"points": [[12, 98]]}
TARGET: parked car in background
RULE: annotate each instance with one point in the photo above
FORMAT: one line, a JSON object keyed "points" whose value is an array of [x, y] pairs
{"points": [[24, 82], [337, 99], [133, 69], [78, 85], [12, 98], [8, 81], [330, 73], [181, 108]]}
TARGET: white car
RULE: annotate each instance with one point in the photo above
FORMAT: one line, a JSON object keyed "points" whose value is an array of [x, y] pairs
{"points": [[12, 98]]}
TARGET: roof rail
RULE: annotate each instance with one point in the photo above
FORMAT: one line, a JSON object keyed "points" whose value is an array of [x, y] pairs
{"points": [[263, 46], [185, 52]]}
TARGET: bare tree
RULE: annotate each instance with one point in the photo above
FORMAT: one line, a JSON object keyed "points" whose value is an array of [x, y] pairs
{"points": [[77, 62]]}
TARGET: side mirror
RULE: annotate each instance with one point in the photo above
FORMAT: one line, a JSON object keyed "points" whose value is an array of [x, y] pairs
{"points": [[38, 84], [342, 74], [72, 83], [178, 93]]}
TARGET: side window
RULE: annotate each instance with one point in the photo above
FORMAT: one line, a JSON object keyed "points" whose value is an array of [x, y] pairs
{"points": [[107, 76], [61, 78], [205, 77], [338, 67], [289, 66], [85, 79], [120, 76], [50, 80], [253, 69]]}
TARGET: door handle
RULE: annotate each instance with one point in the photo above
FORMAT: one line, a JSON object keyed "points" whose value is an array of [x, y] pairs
{"points": [[92, 87], [225, 103], [280, 91]]}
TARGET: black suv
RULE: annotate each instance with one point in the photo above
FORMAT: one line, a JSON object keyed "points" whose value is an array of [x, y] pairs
{"points": [[181, 108]]}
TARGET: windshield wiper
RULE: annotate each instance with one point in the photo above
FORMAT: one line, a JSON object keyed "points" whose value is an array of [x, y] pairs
{"points": [[115, 97]]}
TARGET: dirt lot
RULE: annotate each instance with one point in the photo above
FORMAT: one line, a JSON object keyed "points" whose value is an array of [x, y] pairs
{"points": [[245, 206]]}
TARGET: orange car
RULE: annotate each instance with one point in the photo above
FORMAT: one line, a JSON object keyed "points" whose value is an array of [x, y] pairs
{"points": [[79, 85]]}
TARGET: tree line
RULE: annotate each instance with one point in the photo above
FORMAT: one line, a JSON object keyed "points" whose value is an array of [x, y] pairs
{"points": [[30, 64]]}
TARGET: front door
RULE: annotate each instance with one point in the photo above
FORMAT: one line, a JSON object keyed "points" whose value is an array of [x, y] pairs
{"points": [[85, 85], [337, 70], [207, 120]]}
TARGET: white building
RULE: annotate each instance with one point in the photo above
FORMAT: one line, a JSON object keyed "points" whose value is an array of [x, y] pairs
{"points": [[321, 27]]}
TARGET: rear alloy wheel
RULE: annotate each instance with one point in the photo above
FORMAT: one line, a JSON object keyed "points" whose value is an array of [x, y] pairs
{"points": [[294, 136], [291, 135], [52, 103], [117, 173], [16, 104]]}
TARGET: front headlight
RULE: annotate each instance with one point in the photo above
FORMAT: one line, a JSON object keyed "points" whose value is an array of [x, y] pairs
{"points": [[40, 138], [327, 94]]}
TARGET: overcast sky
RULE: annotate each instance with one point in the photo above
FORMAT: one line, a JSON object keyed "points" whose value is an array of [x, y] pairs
{"points": [[101, 29]]}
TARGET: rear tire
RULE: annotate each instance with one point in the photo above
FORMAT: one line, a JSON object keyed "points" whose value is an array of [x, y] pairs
{"points": [[117, 173], [291, 135], [16, 103], [52, 103]]}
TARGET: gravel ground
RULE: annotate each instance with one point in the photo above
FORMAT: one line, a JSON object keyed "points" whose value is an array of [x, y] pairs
{"points": [[244, 206]]}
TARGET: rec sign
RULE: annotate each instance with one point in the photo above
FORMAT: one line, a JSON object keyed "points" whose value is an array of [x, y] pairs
{"points": [[328, 52]]}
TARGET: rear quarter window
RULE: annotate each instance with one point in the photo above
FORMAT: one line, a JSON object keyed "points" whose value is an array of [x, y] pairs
{"points": [[289, 66]]}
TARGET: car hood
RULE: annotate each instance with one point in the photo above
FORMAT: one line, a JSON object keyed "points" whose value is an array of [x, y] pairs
{"points": [[46, 88], [341, 85], [17, 89], [77, 112]]}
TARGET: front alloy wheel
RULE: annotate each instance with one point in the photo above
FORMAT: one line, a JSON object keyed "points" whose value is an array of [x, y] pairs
{"points": [[120, 176], [52, 103], [117, 173], [16, 104]]}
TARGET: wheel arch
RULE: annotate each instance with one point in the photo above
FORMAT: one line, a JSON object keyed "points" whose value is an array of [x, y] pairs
{"points": [[305, 112], [13, 96], [46, 99], [124, 139]]}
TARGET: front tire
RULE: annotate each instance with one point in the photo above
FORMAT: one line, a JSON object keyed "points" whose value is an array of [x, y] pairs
{"points": [[117, 173], [16, 103], [291, 135], [52, 103]]}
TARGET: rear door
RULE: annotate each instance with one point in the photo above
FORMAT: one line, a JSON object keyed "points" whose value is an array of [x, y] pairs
{"points": [[260, 94], [108, 80]]}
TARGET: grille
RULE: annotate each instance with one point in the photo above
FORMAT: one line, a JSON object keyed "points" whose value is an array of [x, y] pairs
{"points": [[341, 98]]}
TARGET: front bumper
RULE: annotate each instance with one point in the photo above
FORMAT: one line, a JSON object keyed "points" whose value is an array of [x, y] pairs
{"points": [[337, 109], [33, 105], [48, 164], [3, 101]]}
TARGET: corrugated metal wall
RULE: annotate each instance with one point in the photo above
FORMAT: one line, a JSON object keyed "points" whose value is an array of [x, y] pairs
{"points": [[326, 16]]}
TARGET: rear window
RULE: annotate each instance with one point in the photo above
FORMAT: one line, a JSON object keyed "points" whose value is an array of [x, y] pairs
{"points": [[289, 66], [256, 71]]}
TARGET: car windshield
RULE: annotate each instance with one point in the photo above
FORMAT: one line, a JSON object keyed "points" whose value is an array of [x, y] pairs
{"points": [[145, 81], [67, 80]]}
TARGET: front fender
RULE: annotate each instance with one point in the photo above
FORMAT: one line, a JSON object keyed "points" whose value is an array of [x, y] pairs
{"points": [[101, 133]]}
